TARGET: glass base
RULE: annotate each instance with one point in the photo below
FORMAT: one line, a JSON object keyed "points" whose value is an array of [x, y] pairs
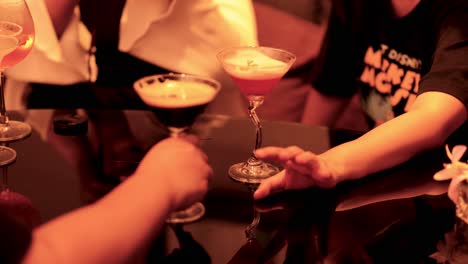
{"points": [[191, 214], [7, 156], [14, 131], [252, 173]]}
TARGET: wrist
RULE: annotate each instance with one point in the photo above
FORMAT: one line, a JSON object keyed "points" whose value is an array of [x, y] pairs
{"points": [[334, 166], [346, 162], [157, 189]]}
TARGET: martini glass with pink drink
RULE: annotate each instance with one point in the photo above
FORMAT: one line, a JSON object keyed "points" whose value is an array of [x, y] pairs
{"points": [[256, 71]]}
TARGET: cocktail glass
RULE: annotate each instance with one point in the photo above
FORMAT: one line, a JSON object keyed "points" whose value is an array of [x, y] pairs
{"points": [[177, 100], [16, 41], [256, 71]]}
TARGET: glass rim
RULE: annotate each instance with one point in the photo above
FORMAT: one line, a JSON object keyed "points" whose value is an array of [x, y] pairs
{"points": [[232, 48], [172, 75], [11, 158]]}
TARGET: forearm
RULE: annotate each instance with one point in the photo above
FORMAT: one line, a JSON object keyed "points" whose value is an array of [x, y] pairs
{"points": [[322, 110], [375, 195], [60, 12], [396, 141], [109, 231]]}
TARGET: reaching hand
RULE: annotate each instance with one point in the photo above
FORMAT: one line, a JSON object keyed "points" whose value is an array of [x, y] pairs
{"points": [[303, 169], [179, 165]]}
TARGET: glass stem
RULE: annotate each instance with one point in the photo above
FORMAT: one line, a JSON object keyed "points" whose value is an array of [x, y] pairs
{"points": [[254, 103], [3, 113], [176, 132], [250, 229], [4, 186]]}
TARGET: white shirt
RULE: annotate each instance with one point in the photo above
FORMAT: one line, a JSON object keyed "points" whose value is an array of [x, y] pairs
{"points": [[179, 35]]}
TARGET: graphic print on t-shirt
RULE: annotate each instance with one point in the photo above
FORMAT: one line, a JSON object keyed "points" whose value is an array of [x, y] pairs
{"points": [[391, 82]]}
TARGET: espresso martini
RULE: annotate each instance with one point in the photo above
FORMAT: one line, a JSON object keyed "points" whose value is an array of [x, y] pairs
{"points": [[176, 102]]}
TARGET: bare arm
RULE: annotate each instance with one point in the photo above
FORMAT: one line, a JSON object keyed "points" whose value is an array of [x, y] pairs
{"points": [[432, 118], [110, 231], [323, 110], [125, 221], [60, 12]]}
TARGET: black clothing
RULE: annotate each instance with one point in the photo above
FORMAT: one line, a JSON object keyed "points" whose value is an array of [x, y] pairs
{"points": [[390, 60]]}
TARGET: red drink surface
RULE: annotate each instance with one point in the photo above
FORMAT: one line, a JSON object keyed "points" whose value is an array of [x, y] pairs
{"points": [[254, 71], [256, 85], [25, 45]]}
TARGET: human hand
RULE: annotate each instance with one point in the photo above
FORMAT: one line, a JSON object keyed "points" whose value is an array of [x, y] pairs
{"points": [[181, 167], [303, 169]]}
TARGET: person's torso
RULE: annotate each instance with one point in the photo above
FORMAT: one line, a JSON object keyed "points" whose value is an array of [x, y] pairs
{"points": [[391, 54]]}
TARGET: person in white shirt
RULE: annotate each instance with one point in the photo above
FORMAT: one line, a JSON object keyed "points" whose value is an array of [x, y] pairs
{"points": [[175, 35]]}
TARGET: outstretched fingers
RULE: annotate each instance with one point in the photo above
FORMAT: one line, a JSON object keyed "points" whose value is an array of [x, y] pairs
{"points": [[310, 164], [268, 153], [270, 185], [303, 169], [278, 154], [306, 163]]}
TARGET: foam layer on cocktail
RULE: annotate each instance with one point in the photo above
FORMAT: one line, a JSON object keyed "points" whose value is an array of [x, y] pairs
{"points": [[254, 72], [176, 93], [254, 64]]}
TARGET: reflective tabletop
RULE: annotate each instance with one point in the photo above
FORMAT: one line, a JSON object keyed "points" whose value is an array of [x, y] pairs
{"points": [[400, 215]]}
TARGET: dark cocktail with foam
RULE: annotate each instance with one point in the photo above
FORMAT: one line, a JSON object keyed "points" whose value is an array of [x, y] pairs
{"points": [[176, 99]]}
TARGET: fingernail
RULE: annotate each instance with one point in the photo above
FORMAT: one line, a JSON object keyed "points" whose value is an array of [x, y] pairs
{"points": [[257, 195]]}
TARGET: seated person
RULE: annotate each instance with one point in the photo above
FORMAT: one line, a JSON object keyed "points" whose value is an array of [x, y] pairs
{"points": [[407, 61], [75, 44], [87, 54]]}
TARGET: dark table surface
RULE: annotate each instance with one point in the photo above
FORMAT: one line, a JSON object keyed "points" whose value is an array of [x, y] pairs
{"points": [[397, 216]]}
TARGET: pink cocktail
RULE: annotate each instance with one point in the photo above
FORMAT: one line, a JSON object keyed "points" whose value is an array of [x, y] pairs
{"points": [[257, 85], [24, 37], [256, 71], [16, 41]]}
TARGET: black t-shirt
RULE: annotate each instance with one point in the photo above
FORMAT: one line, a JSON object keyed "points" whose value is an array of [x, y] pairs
{"points": [[390, 60]]}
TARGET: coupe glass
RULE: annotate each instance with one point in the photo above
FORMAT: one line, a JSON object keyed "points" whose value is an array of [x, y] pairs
{"points": [[177, 100], [16, 41], [256, 71]]}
